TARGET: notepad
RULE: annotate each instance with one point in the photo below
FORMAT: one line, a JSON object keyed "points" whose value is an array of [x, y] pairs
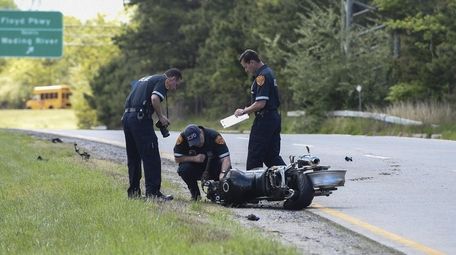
{"points": [[232, 120]]}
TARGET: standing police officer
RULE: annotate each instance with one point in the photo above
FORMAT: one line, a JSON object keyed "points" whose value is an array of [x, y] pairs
{"points": [[202, 154], [141, 140], [264, 140]]}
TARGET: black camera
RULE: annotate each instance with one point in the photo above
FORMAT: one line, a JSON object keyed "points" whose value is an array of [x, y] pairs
{"points": [[163, 129]]}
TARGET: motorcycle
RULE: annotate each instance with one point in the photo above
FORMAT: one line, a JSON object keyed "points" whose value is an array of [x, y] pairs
{"points": [[296, 184]]}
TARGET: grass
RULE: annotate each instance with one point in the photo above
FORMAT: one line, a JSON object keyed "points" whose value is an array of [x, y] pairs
{"points": [[65, 205], [427, 112], [51, 119]]}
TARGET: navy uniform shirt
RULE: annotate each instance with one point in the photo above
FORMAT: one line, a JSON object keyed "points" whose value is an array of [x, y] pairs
{"points": [[214, 145], [140, 96], [264, 87]]}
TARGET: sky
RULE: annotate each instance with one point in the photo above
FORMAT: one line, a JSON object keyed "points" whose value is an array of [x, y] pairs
{"points": [[81, 9]]}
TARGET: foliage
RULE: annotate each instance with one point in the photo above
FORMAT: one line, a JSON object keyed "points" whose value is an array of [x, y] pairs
{"points": [[8, 4], [428, 54], [87, 47], [406, 92], [317, 62], [323, 77]]}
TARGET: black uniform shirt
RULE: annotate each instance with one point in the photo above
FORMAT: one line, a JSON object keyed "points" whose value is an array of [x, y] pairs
{"points": [[214, 144], [140, 95], [264, 87]]}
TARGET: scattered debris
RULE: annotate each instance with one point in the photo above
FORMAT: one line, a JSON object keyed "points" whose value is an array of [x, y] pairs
{"points": [[84, 155], [41, 158], [361, 179], [57, 140], [347, 158], [253, 217]]}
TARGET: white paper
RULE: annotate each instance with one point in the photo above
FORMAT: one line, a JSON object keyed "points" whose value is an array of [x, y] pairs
{"points": [[232, 120]]}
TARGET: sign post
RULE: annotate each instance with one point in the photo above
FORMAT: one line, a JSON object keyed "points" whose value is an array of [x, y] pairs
{"points": [[359, 88], [31, 34]]}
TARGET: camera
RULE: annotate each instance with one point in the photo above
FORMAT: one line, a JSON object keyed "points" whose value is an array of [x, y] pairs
{"points": [[163, 129]]}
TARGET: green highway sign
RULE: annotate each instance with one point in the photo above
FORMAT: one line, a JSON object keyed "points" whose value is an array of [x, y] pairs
{"points": [[31, 34]]}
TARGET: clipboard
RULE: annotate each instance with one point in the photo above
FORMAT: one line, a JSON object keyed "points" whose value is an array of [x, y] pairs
{"points": [[233, 120]]}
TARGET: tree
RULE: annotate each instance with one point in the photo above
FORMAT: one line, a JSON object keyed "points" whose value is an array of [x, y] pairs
{"points": [[322, 77], [425, 67]]}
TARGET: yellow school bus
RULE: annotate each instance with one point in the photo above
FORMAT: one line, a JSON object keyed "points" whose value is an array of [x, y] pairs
{"points": [[50, 97]]}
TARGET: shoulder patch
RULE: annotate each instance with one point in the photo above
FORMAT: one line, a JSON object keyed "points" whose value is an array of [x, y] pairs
{"points": [[219, 140], [260, 80], [180, 139]]}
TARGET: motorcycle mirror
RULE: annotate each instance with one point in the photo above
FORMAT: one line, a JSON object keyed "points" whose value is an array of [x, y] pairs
{"points": [[308, 149], [292, 159]]}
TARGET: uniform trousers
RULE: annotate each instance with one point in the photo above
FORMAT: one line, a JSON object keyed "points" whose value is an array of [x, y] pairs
{"points": [[264, 141], [191, 172], [142, 146]]}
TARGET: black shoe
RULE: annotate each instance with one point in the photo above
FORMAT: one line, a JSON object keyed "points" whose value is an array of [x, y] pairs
{"points": [[196, 195], [134, 193], [160, 197]]}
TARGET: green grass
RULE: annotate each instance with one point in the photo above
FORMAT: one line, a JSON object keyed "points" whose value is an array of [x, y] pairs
{"points": [[65, 205], [52, 119]]}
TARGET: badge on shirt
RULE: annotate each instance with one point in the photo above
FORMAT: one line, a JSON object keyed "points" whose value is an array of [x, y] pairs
{"points": [[219, 140], [180, 139], [260, 80]]}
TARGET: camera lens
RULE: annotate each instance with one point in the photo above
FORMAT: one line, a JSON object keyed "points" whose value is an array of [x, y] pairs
{"points": [[164, 131]]}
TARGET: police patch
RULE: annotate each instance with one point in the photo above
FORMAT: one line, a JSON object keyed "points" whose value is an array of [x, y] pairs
{"points": [[180, 139], [260, 80], [219, 140]]}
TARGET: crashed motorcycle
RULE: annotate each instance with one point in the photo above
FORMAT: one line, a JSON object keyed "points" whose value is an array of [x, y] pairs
{"points": [[296, 184]]}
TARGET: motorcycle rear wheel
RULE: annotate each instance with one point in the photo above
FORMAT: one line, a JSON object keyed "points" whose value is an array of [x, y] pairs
{"points": [[304, 193]]}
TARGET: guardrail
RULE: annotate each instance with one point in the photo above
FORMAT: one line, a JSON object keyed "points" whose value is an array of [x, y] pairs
{"points": [[368, 115]]}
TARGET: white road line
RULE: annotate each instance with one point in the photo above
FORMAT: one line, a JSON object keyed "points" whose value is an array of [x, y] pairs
{"points": [[302, 145], [376, 156]]}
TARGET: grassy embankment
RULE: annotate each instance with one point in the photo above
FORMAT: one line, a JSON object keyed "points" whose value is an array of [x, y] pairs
{"points": [[65, 205], [52, 119]]}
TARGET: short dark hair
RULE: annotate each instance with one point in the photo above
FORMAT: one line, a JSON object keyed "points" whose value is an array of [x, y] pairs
{"points": [[248, 55], [174, 72]]}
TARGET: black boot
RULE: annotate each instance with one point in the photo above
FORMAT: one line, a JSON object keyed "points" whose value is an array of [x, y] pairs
{"points": [[134, 193], [196, 195], [160, 197]]}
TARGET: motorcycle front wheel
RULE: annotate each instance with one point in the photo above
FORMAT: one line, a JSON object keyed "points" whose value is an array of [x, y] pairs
{"points": [[304, 192]]}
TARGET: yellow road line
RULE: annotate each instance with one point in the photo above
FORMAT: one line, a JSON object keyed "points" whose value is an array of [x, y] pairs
{"points": [[378, 231]]}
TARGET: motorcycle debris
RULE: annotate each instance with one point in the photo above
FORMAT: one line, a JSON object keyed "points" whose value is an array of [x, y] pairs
{"points": [[253, 217]]}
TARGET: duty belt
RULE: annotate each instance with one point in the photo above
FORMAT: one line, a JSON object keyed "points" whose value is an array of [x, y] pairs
{"points": [[132, 109], [262, 112]]}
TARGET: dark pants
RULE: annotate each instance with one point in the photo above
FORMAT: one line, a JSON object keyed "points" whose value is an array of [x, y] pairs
{"points": [[192, 172], [142, 145], [264, 141]]}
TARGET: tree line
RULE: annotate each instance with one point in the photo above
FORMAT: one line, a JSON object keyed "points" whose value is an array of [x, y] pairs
{"points": [[396, 50], [302, 40]]}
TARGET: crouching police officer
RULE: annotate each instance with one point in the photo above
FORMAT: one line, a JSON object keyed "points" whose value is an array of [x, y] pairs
{"points": [[140, 138], [202, 154]]}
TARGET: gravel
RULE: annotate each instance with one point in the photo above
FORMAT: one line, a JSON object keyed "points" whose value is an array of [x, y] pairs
{"points": [[308, 232]]}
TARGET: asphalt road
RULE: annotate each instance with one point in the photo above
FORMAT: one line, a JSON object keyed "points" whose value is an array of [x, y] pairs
{"points": [[398, 191]]}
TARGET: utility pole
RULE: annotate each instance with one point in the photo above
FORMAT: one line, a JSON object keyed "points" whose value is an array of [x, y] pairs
{"points": [[349, 10]]}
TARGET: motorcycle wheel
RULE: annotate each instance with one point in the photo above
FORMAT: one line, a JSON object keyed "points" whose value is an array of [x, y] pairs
{"points": [[304, 193]]}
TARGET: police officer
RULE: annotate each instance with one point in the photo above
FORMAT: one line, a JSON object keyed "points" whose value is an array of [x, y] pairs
{"points": [[202, 154], [264, 140], [141, 140]]}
